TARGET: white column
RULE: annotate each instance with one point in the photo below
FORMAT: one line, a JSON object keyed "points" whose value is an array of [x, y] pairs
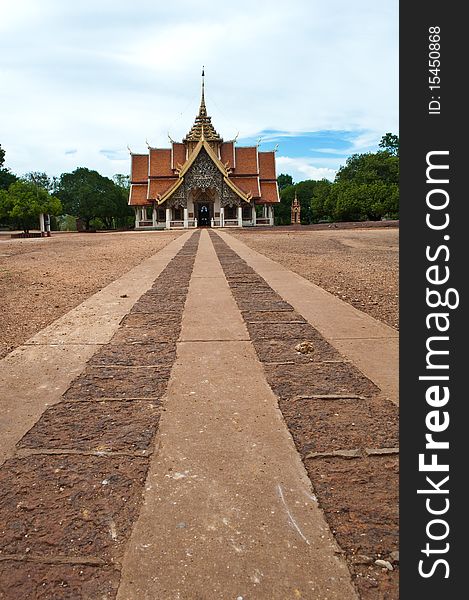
{"points": [[253, 213], [264, 211], [240, 216], [154, 215], [47, 225], [168, 218], [271, 215], [186, 218], [41, 224], [222, 216], [136, 217]]}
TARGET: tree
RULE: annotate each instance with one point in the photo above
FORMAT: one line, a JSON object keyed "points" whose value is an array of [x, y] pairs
{"points": [[88, 195], [321, 193], [370, 167], [284, 181], [304, 192], [390, 143], [6, 176], [42, 180], [25, 201], [122, 181]]}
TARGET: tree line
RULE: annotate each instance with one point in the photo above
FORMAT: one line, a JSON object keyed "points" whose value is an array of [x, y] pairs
{"points": [[83, 196], [365, 188]]}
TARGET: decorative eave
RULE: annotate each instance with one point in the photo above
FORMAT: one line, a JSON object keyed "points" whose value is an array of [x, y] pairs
{"points": [[221, 167], [169, 192]]}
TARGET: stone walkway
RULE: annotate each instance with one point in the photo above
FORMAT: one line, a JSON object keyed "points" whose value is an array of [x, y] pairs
{"points": [[166, 469]]}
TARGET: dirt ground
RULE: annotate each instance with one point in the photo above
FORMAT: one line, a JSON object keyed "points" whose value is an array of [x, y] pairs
{"points": [[42, 279], [360, 266]]}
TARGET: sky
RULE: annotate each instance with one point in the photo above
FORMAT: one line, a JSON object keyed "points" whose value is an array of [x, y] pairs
{"points": [[81, 82]]}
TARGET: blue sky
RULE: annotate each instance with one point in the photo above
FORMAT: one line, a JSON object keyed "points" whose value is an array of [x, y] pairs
{"points": [[82, 81]]}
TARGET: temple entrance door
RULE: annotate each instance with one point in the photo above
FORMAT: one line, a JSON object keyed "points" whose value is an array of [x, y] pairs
{"points": [[203, 215]]}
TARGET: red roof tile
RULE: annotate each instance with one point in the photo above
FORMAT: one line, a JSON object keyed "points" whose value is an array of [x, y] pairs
{"points": [[160, 162], [267, 165], [246, 160], [178, 155], [247, 185], [139, 168], [160, 186], [227, 154], [269, 192], [138, 194]]}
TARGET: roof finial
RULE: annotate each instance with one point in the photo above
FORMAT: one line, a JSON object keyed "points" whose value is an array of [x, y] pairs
{"points": [[203, 109]]}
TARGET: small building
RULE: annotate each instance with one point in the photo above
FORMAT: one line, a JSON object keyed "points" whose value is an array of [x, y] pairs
{"points": [[295, 211], [203, 181]]}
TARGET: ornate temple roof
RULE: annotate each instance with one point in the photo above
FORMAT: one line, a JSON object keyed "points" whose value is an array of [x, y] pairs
{"points": [[248, 172], [202, 127]]}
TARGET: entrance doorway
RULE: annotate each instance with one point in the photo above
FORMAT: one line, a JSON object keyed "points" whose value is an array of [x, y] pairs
{"points": [[203, 215]]}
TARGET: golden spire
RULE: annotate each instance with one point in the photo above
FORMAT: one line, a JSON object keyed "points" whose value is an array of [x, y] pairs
{"points": [[203, 128], [203, 108]]}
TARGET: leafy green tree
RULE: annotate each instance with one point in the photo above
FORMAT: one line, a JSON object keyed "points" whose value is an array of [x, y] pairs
{"points": [[370, 167], [42, 180], [88, 195], [283, 210], [321, 193], [24, 202], [284, 181], [390, 143], [122, 181], [6, 176], [304, 191]]}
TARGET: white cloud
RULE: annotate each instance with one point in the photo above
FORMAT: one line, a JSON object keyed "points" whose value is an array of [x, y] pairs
{"points": [[304, 168], [101, 75]]}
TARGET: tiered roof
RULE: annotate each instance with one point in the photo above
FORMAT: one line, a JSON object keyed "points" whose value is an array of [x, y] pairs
{"points": [[202, 127], [156, 176]]}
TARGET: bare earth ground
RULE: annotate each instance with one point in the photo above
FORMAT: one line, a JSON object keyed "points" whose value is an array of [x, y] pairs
{"points": [[42, 279], [360, 266]]}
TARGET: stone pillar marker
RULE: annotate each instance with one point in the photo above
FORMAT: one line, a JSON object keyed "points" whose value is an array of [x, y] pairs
{"points": [[41, 224], [137, 220], [186, 219], [240, 216], [47, 219], [154, 214], [168, 218], [222, 216], [271, 215], [254, 216]]}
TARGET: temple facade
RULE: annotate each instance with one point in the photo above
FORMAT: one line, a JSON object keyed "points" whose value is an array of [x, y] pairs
{"points": [[203, 181]]}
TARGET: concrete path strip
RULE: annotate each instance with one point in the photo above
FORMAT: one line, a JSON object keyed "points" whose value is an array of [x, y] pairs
{"points": [[35, 375], [228, 510], [371, 345]]}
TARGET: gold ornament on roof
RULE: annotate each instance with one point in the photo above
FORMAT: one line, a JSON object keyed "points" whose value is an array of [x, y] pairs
{"points": [[202, 129]]}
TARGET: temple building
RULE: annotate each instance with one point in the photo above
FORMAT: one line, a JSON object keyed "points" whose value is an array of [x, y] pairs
{"points": [[203, 181]]}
